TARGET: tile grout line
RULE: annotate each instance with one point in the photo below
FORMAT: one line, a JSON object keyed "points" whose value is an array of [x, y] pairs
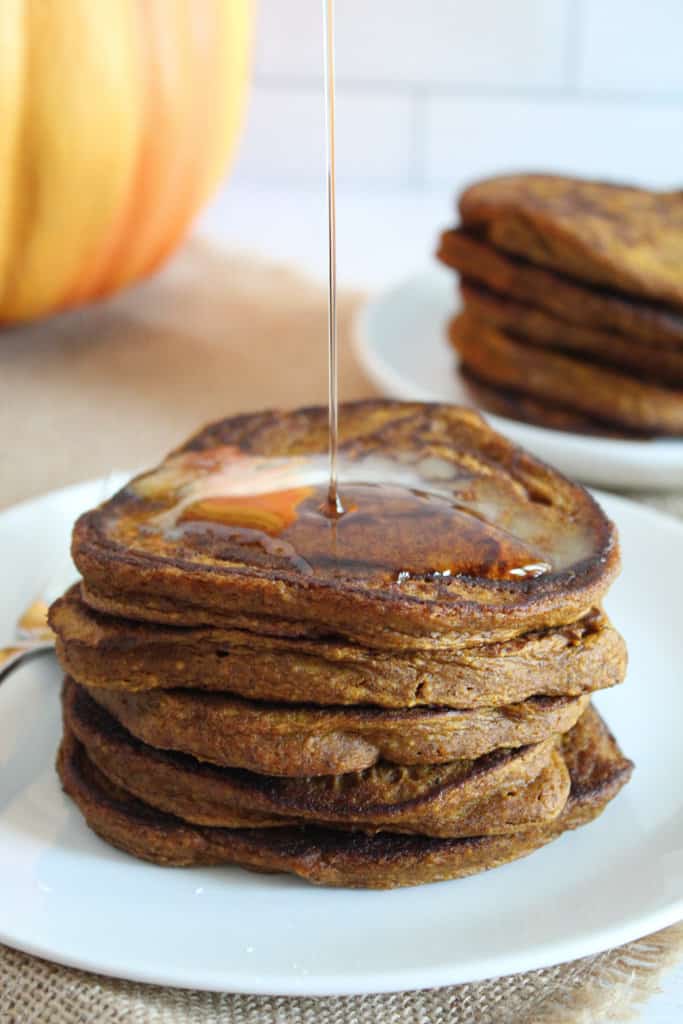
{"points": [[383, 89]]}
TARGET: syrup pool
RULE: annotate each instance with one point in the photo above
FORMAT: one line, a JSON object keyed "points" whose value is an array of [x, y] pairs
{"points": [[404, 518]]}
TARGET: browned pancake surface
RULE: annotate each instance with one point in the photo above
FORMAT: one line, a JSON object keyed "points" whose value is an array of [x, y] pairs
{"points": [[597, 769], [132, 568], [625, 238], [504, 792], [570, 301], [549, 414], [664, 365], [280, 739], [99, 650], [504, 362]]}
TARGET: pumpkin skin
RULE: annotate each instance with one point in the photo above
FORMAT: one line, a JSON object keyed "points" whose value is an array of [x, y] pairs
{"points": [[118, 119]]}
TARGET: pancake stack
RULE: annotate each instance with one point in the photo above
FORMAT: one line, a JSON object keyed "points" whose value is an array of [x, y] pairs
{"points": [[398, 696], [572, 303]]}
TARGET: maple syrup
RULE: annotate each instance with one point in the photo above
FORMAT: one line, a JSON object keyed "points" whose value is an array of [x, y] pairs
{"points": [[406, 517], [332, 506], [386, 534]]}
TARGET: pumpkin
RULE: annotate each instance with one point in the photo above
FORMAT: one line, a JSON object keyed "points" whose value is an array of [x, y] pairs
{"points": [[118, 118]]}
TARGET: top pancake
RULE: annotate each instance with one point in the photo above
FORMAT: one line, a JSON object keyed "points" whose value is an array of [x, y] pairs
{"points": [[624, 238], [500, 514]]}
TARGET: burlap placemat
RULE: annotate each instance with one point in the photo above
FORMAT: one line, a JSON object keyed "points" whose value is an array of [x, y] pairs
{"points": [[115, 386], [610, 986]]}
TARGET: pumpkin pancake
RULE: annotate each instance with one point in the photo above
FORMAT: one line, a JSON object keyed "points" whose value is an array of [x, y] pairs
{"points": [[504, 792], [507, 275], [614, 398], [120, 654], [477, 540], [619, 237], [327, 856], [517, 406], [304, 739], [528, 323]]}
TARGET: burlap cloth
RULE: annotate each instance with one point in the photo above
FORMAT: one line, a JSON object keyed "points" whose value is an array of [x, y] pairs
{"points": [[113, 387]]}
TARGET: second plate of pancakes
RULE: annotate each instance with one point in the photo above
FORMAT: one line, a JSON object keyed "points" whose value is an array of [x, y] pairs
{"points": [[401, 341]]}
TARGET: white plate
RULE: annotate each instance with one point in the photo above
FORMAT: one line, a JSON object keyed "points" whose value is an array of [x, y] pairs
{"points": [[401, 340], [67, 896]]}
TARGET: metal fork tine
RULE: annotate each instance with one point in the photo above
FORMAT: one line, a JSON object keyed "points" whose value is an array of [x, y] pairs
{"points": [[35, 636]]}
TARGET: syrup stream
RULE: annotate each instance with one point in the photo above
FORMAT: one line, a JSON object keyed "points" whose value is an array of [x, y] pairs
{"points": [[418, 518], [334, 507]]}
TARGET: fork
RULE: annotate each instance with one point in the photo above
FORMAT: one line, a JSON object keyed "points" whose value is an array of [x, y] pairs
{"points": [[34, 636]]}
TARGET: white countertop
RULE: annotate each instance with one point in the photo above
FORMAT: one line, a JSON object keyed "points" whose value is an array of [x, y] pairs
{"points": [[383, 237]]}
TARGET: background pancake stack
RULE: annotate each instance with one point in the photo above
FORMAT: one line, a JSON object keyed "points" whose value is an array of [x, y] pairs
{"points": [[572, 303], [351, 728]]}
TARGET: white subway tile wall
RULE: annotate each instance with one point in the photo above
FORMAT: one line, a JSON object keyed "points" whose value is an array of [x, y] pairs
{"points": [[285, 137], [632, 46], [436, 93], [612, 141], [518, 43]]}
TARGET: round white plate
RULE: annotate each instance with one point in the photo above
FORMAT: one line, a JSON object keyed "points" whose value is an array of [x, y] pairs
{"points": [[400, 339], [67, 896]]}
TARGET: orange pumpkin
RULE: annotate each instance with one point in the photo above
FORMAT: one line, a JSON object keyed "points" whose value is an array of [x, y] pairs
{"points": [[118, 118]]}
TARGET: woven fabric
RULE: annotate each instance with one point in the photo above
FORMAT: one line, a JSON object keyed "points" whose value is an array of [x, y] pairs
{"points": [[118, 384], [610, 986]]}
